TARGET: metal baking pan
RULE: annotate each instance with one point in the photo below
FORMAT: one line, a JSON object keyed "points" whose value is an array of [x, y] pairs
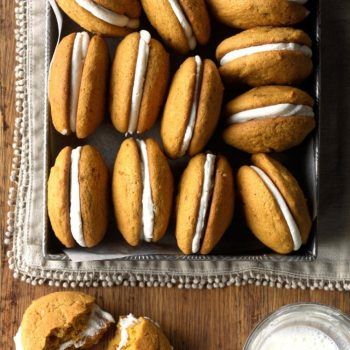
{"points": [[237, 243]]}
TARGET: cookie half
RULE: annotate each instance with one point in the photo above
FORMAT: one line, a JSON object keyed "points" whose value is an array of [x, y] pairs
{"points": [[139, 334], [192, 108], [77, 84], [274, 205], [266, 56], [104, 17], [205, 203], [139, 79], [253, 13], [142, 191], [62, 320], [181, 23], [77, 197], [269, 118]]}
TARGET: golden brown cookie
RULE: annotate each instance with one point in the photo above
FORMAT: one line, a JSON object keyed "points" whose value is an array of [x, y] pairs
{"points": [[142, 191], [104, 17], [266, 56], [69, 320], [77, 197], [269, 118], [181, 23], [274, 205], [77, 84], [253, 13], [139, 334], [205, 203], [192, 108], [139, 79]]}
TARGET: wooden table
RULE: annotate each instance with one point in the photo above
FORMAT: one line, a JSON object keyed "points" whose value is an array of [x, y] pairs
{"points": [[193, 319]]}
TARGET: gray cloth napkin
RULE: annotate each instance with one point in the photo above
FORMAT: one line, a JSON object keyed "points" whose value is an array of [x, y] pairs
{"points": [[27, 218]]}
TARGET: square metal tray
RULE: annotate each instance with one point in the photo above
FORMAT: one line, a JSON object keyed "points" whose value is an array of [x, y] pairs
{"points": [[237, 243]]}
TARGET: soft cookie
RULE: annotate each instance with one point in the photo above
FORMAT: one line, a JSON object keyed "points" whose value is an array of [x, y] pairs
{"points": [[192, 108], [77, 197], [139, 334], [205, 203], [274, 205], [181, 23], [266, 55], [62, 320], [269, 118], [253, 13], [139, 80], [104, 17], [77, 84], [142, 191]]}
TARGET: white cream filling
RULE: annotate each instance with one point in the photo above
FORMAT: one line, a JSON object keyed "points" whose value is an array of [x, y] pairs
{"points": [[108, 16], [185, 24], [279, 110], [139, 80], [233, 55], [80, 49], [207, 190], [76, 224], [147, 201], [97, 321], [125, 323], [18, 339], [292, 225], [193, 114]]}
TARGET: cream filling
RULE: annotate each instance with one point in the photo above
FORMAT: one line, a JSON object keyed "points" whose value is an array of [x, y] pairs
{"points": [[139, 80], [292, 225], [108, 16], [279, 110], [76, 224], [18, 339], [98, 320], [193, 114], [207, 190], [147, 201], [185, 24], [233, 55], [125, 323], [80, 49]]}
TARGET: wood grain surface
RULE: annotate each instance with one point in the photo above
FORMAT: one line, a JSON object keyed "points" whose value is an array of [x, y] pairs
{"points": [[206, 320]]}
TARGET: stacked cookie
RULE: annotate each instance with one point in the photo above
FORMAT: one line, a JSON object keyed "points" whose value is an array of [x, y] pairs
{"points": [[273, 116]]}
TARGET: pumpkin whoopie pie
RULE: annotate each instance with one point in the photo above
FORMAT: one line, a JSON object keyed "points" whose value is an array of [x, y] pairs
{"points": [[139, 334], [205, 203], [274, 205], [77, 196], [269, 118], [266, 56], [181, 23], [142, 191], [77, 84], [192, 108], [139, 79], [253, 13], [104, 17], [62, 320]]}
